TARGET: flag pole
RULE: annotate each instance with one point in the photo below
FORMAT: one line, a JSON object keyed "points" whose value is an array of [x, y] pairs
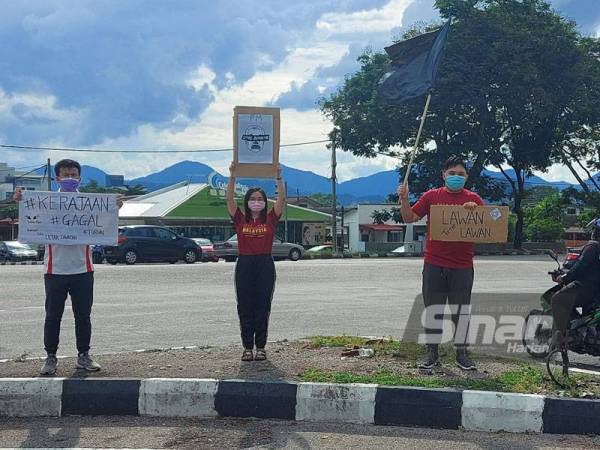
{"points": [[414, 150]]}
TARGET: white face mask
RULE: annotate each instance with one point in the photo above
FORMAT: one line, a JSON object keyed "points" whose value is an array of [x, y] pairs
{"points": [[256, 205]]}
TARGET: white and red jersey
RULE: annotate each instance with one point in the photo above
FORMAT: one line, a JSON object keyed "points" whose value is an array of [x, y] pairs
{"points": [[68, 259]]}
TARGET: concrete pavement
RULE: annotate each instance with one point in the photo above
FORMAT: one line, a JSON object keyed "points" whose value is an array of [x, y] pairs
{"points": [[150, 306], [146, 432]]}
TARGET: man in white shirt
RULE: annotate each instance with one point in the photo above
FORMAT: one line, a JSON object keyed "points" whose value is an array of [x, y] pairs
{"points": [[68, 271]]}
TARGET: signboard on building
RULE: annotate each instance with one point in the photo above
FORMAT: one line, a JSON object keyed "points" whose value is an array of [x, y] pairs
{"points": [[219, 187], [455, 223], [68, 218], [256, 141], [313, 234]]}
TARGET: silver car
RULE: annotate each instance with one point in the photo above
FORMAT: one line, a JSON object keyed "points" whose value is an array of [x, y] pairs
{"points": [[228, 250]]}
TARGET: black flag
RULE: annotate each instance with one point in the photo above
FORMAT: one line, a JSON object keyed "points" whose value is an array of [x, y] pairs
{"points": [[414, 64]]}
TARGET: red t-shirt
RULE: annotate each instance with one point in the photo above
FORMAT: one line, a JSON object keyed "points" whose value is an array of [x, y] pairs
{"points": [[255, 237], [454, 255]]}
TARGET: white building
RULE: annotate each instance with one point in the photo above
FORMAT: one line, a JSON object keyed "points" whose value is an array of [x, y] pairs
{"points": [[366, 236], [11, 179]]}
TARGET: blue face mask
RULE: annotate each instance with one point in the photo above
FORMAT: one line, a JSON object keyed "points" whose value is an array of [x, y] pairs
{"points": [[455, 182], [69, 184]]}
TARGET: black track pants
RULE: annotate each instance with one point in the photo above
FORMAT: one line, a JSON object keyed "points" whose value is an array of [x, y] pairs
{"points": [[254, 285]]}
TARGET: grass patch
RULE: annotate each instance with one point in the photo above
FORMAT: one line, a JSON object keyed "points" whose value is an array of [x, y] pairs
{"points": [[524, 380], [519, 377], [409, 351], [386, 377]]}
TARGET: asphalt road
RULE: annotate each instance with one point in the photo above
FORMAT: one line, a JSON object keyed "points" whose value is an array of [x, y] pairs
{"points": [[155, 306], [135, 432]]}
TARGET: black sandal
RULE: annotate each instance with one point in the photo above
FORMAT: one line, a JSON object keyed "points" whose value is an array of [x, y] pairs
{"points": [[247, 355], [261, 354]]}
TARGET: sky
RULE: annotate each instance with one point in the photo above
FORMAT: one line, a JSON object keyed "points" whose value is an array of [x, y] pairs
{"points": [[152, 74]]}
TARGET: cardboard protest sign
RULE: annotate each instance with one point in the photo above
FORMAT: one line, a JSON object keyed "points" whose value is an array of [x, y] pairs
{"points": [[68, 218], [256, 141], [455, 223]]}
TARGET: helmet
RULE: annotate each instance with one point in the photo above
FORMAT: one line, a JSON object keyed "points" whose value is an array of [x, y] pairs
{"points": [[593, 227]]}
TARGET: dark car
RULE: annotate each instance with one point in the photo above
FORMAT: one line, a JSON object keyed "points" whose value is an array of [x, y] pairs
{"points": [[97, 254], [150, 243], [228, 250], [16, 251], [208, 249]]}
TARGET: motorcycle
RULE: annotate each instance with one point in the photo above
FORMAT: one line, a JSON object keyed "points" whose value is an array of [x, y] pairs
{"points": [[583, 335]]}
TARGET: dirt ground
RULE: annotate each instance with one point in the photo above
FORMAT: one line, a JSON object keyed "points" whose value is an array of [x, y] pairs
{"points": [[286, 360]]}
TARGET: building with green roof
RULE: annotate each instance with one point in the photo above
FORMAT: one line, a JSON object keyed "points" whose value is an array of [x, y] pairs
{"points": [[200, 210]]}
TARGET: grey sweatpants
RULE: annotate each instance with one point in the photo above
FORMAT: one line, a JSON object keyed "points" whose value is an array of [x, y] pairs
{"points": [[441, 286]]}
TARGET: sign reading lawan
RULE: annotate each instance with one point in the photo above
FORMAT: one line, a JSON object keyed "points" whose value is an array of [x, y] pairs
{"points": [[68, 218], [484, 224]]}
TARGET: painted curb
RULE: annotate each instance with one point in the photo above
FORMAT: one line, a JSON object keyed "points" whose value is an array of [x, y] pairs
{"points": [[571, 416], [27, 397], [341, 403], [324, 402], [496, 411], [100, 396], [261, 399], [178, 397], [421, 407]]}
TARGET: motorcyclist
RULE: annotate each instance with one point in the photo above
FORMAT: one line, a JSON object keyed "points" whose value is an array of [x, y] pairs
{"points": [[580, 285]]}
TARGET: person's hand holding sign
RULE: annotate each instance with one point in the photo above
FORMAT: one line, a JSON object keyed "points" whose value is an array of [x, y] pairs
{"points": [[120, 200], [18, 195], [470, 205], [403, 191]]}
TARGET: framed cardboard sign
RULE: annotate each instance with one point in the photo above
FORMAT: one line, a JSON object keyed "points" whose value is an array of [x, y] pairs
{"points": [[68, 218], [256, 141], [455, 223]]}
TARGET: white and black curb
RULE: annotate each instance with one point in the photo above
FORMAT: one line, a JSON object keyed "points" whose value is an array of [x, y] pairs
{"points": [[322, 402]]}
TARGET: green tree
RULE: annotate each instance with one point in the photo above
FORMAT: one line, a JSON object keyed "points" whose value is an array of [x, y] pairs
{"points": [[380, 217], [384, 215], [503, 98], [544, 221], [94, 187], [9, 211], [138, 189], [323, 199]]}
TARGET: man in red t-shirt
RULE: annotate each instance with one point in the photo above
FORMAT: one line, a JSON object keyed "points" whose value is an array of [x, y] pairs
{"points": [[448, 267]]}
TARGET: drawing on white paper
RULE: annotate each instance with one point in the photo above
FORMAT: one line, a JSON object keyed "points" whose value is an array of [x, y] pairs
{"points": [[255, 139]]}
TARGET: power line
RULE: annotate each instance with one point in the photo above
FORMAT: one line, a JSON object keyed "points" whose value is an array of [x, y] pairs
{"points": [[91, 150]]}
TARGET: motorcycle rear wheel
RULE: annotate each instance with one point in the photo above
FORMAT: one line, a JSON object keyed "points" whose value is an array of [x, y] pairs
{"points": [[539, 345]]}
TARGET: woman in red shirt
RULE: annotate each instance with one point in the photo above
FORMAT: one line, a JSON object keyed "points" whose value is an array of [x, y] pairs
{"points": [[255, 269]]}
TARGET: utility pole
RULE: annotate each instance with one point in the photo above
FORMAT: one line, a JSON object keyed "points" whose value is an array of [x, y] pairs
{"points": [[334, 199], [342, 225], [49, 173], [286, 215]]}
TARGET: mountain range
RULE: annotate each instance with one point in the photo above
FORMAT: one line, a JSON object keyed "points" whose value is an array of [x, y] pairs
{"points": [[372, 188]]}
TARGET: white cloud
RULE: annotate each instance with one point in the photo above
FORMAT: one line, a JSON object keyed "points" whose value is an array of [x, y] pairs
{"points": [[321, 47], [366, 21]]}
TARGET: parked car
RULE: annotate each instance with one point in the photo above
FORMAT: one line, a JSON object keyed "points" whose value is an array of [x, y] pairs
{"points": [[17, 251], [208, 249], [228, 250], [40, 249], [325, 250], [151, 243], [97, 254]]}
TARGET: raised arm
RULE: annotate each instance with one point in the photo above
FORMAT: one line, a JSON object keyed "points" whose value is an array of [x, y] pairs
{"points": [[281, 194], [18, 195], [408, 215], [231, 204]]}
